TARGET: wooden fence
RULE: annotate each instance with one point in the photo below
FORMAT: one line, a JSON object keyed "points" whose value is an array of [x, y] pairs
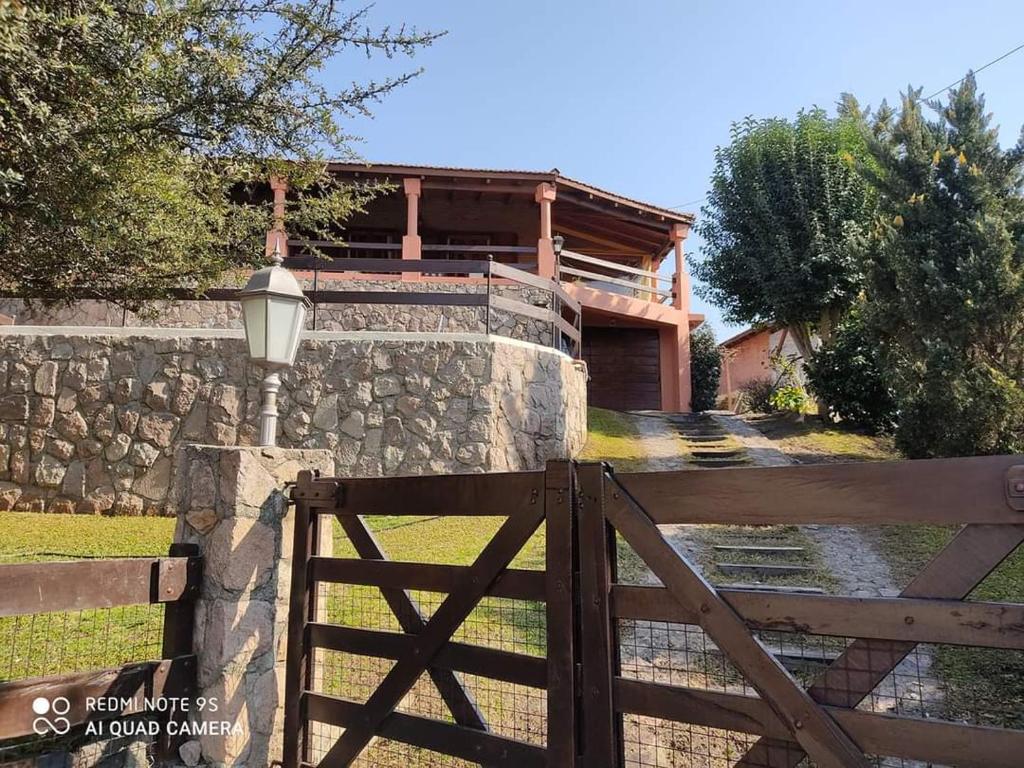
{"points": [[31, 589], [587, 512]]}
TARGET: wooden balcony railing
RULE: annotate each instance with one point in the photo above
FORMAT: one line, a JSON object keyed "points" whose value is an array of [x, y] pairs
{"points": [[562, 311], [610, 275]]}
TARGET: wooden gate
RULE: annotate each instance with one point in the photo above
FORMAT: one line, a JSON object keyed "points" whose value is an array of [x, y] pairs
{"points": [[590, 512], [525, 501]]}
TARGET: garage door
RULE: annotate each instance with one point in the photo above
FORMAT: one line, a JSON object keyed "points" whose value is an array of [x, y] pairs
{"points": [[625, 368]]}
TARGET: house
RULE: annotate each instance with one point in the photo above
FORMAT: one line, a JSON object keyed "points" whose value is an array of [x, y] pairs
{"points": [[747, 356], [609, 253]]}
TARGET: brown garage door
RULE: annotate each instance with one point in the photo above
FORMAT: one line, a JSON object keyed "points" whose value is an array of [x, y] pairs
{"points": [[625, 368]]}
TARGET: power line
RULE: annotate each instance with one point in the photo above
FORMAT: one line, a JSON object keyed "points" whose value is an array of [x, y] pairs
{"points": [[683, 205], [926, 98], [979, 69]]}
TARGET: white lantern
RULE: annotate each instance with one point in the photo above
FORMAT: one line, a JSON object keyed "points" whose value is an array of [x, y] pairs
{"points": [[274, 314]]}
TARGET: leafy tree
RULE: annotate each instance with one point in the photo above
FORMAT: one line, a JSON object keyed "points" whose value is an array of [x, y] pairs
{"points": [[785, 221], [136, 137], [849, 374], [705, 368], [947, 274]]}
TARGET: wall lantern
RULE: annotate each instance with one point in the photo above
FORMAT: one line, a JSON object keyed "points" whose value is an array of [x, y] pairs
{"points": [[274, 314], [556, 243]]}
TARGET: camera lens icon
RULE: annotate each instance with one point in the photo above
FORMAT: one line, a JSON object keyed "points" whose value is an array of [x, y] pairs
{"points": [[51, 715]]}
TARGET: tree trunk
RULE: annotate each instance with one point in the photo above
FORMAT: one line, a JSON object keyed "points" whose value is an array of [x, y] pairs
{"points": [[803, 339]]}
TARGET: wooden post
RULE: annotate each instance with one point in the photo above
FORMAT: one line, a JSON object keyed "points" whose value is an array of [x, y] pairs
{"points": [[298, 616], [558, 498], [545, 196], [412, 244], [596, 654], [487, 313], [179, 623]]}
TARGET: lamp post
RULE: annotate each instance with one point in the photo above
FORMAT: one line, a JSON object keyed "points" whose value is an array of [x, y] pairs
{"points": [[274, 313]]}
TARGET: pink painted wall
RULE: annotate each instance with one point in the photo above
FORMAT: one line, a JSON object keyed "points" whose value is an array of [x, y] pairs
{"points": [[749, 358]]}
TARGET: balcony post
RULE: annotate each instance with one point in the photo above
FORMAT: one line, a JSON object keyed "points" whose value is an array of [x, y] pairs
{"points": [[680, 280], [545, 196], [412, 245], [277, 234]]}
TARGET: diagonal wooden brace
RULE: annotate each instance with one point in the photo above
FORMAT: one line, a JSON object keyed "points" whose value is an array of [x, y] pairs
{"points": [[816, 732], [952, 574], [458, 700], [471, 587]]}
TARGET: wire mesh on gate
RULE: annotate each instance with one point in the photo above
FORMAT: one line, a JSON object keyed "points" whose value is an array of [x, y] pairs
{"points": [[510, 710], [924, 684], [66, 642]]}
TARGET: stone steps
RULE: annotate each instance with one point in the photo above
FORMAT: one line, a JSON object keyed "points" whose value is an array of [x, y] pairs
{"points": [[704, 439], [774, 588], [761, 549], [728, 453], [802, 654], [762, 569], [712, 463]]}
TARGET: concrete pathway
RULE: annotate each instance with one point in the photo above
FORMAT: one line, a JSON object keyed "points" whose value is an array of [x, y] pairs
{"points": [[660, 442]]}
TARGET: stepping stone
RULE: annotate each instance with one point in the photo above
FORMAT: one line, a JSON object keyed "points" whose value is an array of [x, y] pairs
{"points": [[756, 548], [726, 454], [762, 569], [808, 654], [720, 462], [706, 439], [774, 588]]}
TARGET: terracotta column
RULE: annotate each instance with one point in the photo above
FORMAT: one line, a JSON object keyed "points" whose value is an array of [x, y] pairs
{"points": [[545, 196], [277, 234], [680, 280], [411, 243], [681, 344]]}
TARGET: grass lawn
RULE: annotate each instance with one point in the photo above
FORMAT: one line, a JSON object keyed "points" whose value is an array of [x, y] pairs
{"points": [[611, 436], [55, 643], [814, 441]]}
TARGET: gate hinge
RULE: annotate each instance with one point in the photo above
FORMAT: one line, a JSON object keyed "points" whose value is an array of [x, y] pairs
{"points": [[320, 492]]}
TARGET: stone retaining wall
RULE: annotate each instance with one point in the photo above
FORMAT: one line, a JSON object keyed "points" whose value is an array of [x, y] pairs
{"points": [[329, 317], [89, 418]]}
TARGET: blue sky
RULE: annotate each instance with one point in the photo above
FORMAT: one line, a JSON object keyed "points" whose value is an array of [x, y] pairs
{"points": [[634, 96]]}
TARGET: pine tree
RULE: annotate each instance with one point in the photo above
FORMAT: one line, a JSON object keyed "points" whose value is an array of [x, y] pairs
{"points": [[947, 274]]}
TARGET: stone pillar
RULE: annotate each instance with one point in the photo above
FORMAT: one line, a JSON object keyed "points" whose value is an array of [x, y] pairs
{"points": [[278, 235], [231, 503], [545, 196]]}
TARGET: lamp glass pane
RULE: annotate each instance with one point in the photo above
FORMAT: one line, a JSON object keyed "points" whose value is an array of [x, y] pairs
{"points": [[300, 326], [281, 328], [254, 313]]}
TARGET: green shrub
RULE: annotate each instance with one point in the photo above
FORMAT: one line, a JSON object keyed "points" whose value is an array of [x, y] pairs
{"points": [[782, 392], [789, 398], [847, 374], [756, 395], [705, 368], [960, 409]]}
